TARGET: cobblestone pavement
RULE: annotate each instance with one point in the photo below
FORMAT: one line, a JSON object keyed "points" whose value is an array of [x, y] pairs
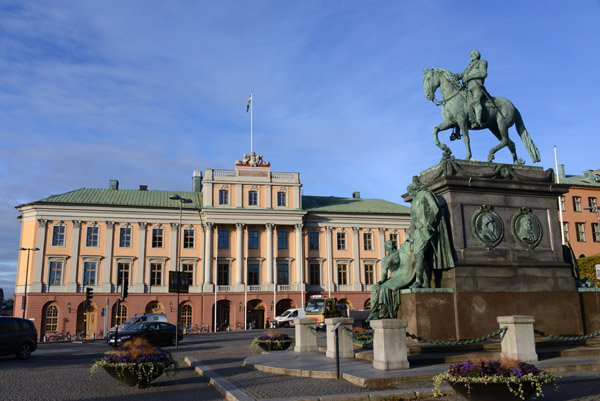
{"points": [[61, 372]]}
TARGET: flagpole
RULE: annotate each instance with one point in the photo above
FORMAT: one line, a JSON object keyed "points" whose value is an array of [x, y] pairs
{"points": [[251, 105], [562, 225]]}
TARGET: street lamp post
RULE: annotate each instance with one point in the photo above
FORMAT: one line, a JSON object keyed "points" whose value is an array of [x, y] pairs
{"points": [[24, 303], [595, 209], [181, 202]]}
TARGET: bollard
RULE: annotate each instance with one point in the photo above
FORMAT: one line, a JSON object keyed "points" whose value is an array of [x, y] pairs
{"points": [[389, 344], [346, 350], [305, 341], [518, 341]]}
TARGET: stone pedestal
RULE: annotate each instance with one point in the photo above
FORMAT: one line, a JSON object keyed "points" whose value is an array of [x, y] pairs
{"points": [[518, 341], [514, 268], [305, 340], [345, 343], [389, 344]]}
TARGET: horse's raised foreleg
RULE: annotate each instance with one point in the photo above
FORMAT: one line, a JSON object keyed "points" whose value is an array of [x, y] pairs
{"points": [[442, 127]]}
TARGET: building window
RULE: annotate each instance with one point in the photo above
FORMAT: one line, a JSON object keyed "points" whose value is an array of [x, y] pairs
{"points": [[282, 240], [314, 274], [368, 241], [223, 197], [56, 269], [92, 236], [157, 237], [313, 240], [125, 237], [186, 315], [223, 239], [189, 269], [188, 238], [253, 239], [51, 319], [156, 274], [283, 277], [562, 203], [341, 241], [566, 231], [593, 203], [121, 314], [577, 203], [252, 198], [253, 274], [369, 274], [394, 239], [223, 274], [342, 274], [89, 273], [122, 273], [281, 198], [580, 227], [596, 232], [58, 235]]}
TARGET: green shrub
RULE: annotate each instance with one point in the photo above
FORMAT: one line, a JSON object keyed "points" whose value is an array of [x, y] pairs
{"points": [[587, 267]]}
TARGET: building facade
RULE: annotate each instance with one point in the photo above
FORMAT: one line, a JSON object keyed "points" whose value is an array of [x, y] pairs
{"points": [[253, 245], [581, 227]]}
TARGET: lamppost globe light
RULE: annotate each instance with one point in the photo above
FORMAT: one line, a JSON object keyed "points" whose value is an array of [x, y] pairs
{"points": [[175, 197]]}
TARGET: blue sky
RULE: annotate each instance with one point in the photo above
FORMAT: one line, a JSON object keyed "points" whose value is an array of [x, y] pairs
{"points": [[147, 91]]}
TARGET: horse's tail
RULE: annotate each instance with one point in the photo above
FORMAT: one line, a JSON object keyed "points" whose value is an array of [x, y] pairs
{"points": [[527, 141]]}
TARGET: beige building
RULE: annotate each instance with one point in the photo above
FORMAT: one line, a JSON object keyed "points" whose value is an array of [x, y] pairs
{"points": [[252, 244]]}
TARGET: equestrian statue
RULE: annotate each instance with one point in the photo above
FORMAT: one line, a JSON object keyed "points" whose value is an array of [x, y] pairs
{"points": [[467, 105]]}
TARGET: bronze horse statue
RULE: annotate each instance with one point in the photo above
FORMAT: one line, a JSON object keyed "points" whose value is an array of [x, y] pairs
{"points": [[498, 116]]}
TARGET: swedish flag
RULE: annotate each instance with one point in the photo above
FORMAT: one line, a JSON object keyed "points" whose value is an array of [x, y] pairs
{"points": [[248, 105]]}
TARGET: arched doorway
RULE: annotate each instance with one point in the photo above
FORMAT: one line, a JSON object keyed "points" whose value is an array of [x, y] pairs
{"points": [[119, 318], [87, 321], [282, 306], [368, 304], [49, 320], [223, 313], [256, 314], [155, 307], [186, 315]]}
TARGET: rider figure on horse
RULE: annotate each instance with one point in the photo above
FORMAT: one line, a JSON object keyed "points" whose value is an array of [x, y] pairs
{"points": [[472, 78]]}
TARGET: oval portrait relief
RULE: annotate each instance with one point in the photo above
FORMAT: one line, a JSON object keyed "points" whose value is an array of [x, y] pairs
{"points": [[487, 227], [526, 228]]}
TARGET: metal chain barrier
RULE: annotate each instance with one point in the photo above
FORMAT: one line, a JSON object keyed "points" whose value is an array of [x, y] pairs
{"points": [[363, 338], [313, 331], [567, 338], [500, 331]]}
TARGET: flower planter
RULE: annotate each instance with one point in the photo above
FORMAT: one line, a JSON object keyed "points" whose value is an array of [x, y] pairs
{"points": [[129, 375], [275, 345], [492, 391]]}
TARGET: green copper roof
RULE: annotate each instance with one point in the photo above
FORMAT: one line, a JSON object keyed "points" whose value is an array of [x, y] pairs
{"points": [[586, 180], [351, 205], [123, 197]]}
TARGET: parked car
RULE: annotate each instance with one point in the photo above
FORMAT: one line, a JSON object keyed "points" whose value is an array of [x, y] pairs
{"points": [[148, 317], [157, 333], [287, 318], [17, 337]]}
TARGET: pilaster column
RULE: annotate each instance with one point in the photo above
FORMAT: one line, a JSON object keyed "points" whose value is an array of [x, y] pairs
{"points": [[74, 262], [138, 287], [36, 286], [239, 254], [299, 256], [208, 232], [329, 255], [269, 256], [268, 196], [356, 255], [238, 195]]}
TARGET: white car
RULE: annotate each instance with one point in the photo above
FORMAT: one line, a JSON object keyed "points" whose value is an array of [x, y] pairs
{"points": [[287, 318]]}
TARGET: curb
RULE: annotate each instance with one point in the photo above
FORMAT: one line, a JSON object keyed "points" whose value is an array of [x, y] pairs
{"points": [[229, 391]]}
